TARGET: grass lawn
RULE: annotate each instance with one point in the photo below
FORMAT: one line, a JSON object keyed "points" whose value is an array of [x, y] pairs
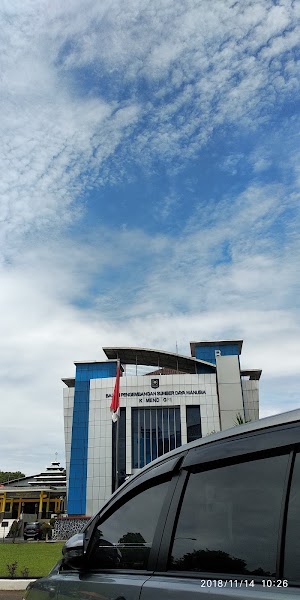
{"points": [[38, 557]]}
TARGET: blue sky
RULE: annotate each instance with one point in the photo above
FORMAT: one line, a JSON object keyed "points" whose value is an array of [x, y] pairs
{"points": [[150, 170]]}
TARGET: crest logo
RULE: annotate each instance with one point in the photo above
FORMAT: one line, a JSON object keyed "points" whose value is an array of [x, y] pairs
{"points": [[154, 383]]}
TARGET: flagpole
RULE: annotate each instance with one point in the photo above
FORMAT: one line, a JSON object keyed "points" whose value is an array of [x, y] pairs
{"points": [[115, 415], [117, 444], [117, 456]]}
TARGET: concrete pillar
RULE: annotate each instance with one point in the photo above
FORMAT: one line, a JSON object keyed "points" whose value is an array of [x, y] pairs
{"points": [[41, 504], [3, 502], [229, 390]]}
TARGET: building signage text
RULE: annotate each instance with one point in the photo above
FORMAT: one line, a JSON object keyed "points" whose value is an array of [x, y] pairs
{"points": [[160, 393]]}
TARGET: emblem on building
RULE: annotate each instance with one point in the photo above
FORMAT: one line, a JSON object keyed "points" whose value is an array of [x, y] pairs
{"points": [[155, 383]]}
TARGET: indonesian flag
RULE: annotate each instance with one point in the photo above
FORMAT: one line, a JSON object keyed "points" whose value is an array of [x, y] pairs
{"points": [[115, 403]]}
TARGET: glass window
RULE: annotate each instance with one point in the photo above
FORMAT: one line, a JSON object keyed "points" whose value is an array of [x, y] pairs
{"points": [[124, 540], [292, 545], [155, 431], [229, 519], [193, 423]]}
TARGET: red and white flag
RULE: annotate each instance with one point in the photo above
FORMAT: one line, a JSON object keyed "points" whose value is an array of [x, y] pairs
{"points": [[115, 403]]}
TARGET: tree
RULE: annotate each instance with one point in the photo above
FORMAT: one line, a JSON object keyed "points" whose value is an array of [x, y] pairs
{"points": [[6, 476], [46, 530]]}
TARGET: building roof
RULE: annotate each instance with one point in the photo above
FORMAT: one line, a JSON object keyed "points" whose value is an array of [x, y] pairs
{"points": [[251, 373], [164, 371], [175, 363], [147, 356], [69, 381], [54, 476], [217, 343]]}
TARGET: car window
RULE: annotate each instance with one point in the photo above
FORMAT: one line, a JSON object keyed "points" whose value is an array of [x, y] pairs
{"points": [[124, 540], [292, 545], [229, 519]]}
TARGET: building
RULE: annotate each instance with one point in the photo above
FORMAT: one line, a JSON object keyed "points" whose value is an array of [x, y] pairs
{"points": [[35, 497], [166, 400]]}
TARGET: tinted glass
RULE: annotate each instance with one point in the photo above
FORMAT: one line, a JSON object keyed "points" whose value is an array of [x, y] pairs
{"points": [[292, 547], [193, 423], [124, 540], [229, 519]]}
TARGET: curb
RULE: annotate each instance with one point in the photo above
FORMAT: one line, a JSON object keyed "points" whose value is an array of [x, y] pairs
{"points": [[15, 584]]}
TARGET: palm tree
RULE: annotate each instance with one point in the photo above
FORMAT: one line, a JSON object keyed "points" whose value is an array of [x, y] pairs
{"points": [[240, 420]]}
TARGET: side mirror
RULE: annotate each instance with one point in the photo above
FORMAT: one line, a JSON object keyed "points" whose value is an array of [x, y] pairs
{"points": [[73, 551]]}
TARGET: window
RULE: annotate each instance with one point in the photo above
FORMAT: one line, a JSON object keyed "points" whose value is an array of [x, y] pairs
{"points": [[155, 431], [124, 540], [193, 423], [229, 519], [292, 545]]}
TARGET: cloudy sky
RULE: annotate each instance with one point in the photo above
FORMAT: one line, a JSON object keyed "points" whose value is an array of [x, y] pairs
{"points": [[150, 169]]}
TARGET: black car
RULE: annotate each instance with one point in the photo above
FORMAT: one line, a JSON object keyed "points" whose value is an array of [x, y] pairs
{"points": [[33, 531], [216, 518]]}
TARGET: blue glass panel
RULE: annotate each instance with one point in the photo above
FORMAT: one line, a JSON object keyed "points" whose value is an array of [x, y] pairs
{"points": [[134, 424], [147, 437], [166, 430], [153, 415], [172, 430]]}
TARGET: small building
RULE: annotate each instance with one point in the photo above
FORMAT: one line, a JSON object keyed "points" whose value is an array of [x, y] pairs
{"points": [[166, 400], [35, 497]]}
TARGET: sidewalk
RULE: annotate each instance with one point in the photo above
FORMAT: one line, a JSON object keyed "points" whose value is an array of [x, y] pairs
{"points": [[14, 584]]}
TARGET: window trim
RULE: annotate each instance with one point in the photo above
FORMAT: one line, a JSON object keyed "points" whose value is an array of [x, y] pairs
{"points": [[284, 514], [159, 529], [132, 487], [293, 582]]}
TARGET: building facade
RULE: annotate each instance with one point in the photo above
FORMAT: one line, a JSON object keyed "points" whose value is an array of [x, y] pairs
{"points": [[36, 497], [166, 400]]}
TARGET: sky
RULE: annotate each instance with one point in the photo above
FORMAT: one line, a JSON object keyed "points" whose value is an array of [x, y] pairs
{"points": [[149, 195]]}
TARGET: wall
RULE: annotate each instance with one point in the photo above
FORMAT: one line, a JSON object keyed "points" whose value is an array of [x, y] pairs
{"points": [[174, 390], [80, 431], [251, 399], [64, 528], [230, 390]]}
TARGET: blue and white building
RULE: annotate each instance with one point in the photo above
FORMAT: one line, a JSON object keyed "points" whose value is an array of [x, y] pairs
{"points": [[166, 400]]}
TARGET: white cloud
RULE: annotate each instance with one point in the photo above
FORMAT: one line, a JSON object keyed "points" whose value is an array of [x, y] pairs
{"points": [[176, 290], [204, 65], [180, 299]]}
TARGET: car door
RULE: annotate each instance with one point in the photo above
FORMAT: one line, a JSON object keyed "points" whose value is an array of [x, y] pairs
{"points": [[118, 555], [230, 531]]}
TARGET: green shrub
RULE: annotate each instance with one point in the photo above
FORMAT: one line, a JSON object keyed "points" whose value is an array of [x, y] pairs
{"points": [[12, 569]]}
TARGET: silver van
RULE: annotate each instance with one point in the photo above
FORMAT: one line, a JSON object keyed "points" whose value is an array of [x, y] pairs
{"points": [[217, 518]]}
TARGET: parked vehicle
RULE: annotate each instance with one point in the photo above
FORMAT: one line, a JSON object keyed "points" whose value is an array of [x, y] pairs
{"points": [[221, 512], [33, 531]]}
